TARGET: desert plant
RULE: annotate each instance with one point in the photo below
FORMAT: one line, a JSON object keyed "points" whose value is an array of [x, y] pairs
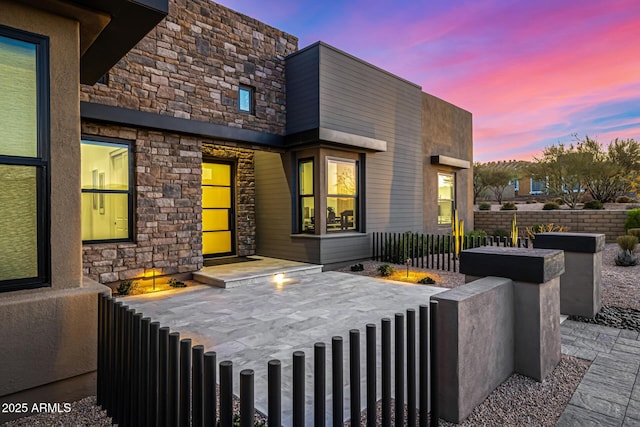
{"points": [[500, 232], [427, 281], [357, 267], [175, 283], [386, 270], [624, 199], [545, 228], [627, 243], [593, 204], [634, 232], [457, 231], [475, 233], [633, 219], [550, 206], [126, 287], [509, 206], [558, 200], [531, 201], [625, 257], [513, 235], [484, 206]]}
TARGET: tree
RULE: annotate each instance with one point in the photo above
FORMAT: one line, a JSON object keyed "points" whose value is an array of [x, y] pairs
{"points": [[498, 179], [479, 181]]}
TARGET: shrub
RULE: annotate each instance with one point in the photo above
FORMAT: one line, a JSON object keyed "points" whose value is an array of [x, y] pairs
{"points": [[550, 206], [559, 201], [624, 199], [509, 206], [499, 232], [633, 219], [175, 283], [126, 287], [484, 206], [545, 228], [475, 233], [531, 201], [427, 281], [634, 232], [593, 204], [357, 267], [386, 270], [627, 243]]}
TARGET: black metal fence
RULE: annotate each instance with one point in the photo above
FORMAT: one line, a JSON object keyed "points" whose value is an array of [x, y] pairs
{"points": [[148, 376], [431, 250]]}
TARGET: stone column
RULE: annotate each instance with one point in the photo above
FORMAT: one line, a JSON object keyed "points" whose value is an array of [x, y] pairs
{"points": [[536, 300], [581, 282]]}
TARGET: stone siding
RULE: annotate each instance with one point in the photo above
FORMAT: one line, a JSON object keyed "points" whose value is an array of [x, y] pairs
{"points": [[168, 213], [191, 64], [610, 223]]}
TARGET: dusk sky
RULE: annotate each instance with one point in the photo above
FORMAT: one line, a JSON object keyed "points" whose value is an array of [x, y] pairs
{"points": [[532, 72]]}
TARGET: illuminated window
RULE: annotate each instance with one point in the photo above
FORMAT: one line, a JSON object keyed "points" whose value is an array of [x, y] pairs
{"points": [[305, 192], [446, 198], [107, 196], [342, 195], [245, 99], [24, 155]]}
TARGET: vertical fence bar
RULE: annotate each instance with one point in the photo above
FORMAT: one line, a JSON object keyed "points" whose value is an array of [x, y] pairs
{"points": [[163, 377], [371, 375], [247, 412], [110, 352], [154, 347], [424, 364], [173, 386], [116, 395], [394, 249], [185, 382], [386, 372], [197, 384], [226, 393], [421, 250], [448, 250], [298, 389], [210, 381], [134, 388], [274, 396], [101, 350], [399, 369], [411, 367], [433, 317], [319, 384], [438, 250], [354, 376], [143, 390], [337, 381]]}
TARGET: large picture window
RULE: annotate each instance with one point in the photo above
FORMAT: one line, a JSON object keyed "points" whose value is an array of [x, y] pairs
{"points": [[306, 196], [342, 195], [24, 157], [107, 195], [446, 198]]}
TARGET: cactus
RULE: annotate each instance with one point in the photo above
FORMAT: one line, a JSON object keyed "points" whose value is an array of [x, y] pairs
{"points": [[514, 232], [457, 230]]}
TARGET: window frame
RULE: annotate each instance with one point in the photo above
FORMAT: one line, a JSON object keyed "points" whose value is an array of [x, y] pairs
{"points": [[452, 200], [301, 197], [356, 197], [251, 91], [40, 162], [130, 191]]}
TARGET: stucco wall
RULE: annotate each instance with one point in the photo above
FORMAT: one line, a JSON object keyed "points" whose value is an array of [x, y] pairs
{"points": [[447, 131]]}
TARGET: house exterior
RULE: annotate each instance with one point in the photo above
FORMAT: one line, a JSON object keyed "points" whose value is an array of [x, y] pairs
{"points": [[167, 132]]}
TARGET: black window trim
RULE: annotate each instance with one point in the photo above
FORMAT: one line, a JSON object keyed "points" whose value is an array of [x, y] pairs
{"points": [[130, 192], [300, 196], [41, 162], [356, 197], [252, 101]]}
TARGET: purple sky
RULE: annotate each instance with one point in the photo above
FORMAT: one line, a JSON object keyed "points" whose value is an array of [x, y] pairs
{"points": [[532, 72]]}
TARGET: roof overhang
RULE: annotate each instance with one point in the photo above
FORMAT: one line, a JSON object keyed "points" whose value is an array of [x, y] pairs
{"points": [[337, 138], [450, 161], [108, 29]]}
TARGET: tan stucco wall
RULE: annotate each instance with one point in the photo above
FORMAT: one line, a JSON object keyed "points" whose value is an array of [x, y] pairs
{"points": [[49, 334], [446, 131]]}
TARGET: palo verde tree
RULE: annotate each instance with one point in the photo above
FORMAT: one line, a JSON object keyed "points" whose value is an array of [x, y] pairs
{"points": [[479, 184], [497, 179]]}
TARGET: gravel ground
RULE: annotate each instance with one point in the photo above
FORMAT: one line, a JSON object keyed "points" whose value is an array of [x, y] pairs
{"points": [[519, 401]]}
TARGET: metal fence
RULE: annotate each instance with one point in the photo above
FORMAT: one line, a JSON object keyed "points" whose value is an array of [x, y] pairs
{"points": [[149, 376], [430, 250]]}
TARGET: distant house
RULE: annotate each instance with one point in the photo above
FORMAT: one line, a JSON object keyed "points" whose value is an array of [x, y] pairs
{"points": [[522, 186], [210, 136]]}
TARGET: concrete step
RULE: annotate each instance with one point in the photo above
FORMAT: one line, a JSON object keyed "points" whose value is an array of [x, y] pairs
{"points": [[255, 277]]}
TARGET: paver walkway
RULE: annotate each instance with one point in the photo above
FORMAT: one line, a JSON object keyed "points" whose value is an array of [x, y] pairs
{"points": [[609, 393]]}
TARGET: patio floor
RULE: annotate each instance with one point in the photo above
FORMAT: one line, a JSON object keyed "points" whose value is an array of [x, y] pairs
{"points": [[255, 323]]}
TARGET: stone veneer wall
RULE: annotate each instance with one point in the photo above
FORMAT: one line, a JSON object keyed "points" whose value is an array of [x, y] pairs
{"points": [[610, 223], [191, 64], [168, 213]]}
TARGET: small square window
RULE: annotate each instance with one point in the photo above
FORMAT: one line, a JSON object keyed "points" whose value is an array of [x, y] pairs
{"points": [[245, 99]]}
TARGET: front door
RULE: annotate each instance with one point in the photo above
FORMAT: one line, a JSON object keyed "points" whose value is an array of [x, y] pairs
{"points": [[218, 218]]}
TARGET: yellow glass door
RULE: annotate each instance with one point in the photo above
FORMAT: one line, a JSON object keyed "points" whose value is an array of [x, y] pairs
{"points": [[217, 209]]}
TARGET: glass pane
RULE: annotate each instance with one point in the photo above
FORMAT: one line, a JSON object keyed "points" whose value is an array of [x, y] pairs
{"points": [[105, 216], [341, 213], [341, 177], [216, 174], [18, 98], [244, 95], [445, 187], [445, 212], [216, 197], [105, 166], [215, 219], [18, 222], [216, 242], [308, 214], [306, 178]]}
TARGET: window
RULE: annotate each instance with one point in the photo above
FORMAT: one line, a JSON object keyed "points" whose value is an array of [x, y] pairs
{"points": [[305, 192], [342, 195], [24, 159], [538, 186], [446, 198], [245, 99], [107, 196], [515, 183]]}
